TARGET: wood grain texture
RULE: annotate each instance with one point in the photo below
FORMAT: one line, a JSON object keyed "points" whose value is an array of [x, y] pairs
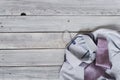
{"points": [[32, 45], [60, 7], [31, 40], [56, 23], [29, 73], [43, 57]]}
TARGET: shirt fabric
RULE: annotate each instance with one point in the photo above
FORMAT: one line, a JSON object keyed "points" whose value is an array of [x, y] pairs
{"points": [[82, 48]]}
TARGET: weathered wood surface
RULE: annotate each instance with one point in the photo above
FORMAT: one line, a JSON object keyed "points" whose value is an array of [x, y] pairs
{"points": [[29, 73], [32, 40], [60, 7], [43, 64], [41, 57], [56, 23], [32, 46]]}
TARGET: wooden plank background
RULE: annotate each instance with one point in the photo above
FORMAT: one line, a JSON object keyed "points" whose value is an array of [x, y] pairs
{"points": [[33, 33], [55, 23], [60, 7]]}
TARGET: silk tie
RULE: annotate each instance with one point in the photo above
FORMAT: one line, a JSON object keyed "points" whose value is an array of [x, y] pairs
{"points": [[98, 67]]}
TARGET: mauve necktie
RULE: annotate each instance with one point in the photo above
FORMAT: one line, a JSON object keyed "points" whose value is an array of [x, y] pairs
{"points": [[98, 67]]}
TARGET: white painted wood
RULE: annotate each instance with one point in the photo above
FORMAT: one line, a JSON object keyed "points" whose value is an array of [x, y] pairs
{"points": [[60, 7], [30, 35], [56, 23], [42, 57], [31, 40], [29, 73]]}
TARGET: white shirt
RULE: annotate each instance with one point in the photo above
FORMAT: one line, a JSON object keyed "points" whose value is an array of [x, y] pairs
{"points": [[71, 69]]}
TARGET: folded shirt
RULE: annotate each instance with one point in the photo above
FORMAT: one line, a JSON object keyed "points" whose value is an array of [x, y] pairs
{"points": [[82, 48]]}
